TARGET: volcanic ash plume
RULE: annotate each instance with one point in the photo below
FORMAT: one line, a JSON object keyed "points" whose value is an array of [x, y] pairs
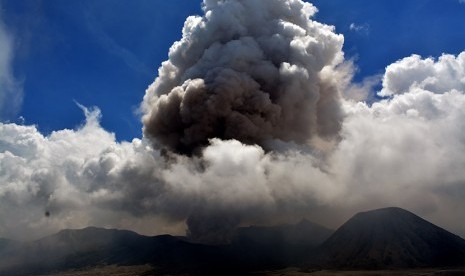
{"points": [[250, 70], [246, 72]]}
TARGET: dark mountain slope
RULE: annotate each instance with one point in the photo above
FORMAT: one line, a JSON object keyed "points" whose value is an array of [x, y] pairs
{"points": [[384, 238], [277, 246], [5, 243], [391, 238], [71, 249], [305, 232], [252, 248], [259, 248]]}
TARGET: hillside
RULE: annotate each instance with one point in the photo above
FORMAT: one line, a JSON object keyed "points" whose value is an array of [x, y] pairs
{"points": [[391, 238]]}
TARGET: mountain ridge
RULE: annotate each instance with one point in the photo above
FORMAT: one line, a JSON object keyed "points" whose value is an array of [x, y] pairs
{"points": [[93, 246], [386, 238], [391, 237]]}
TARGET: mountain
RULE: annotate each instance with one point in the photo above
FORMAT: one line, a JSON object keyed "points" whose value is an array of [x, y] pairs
{"points": [[5, 246], [89, 247], [391, 238], [4, 243], [252, 248], [304, 232], [275, 246], [386, 238]]}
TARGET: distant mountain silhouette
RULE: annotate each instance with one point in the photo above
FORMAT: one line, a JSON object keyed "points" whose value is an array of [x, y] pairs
{"points": [[5, 246], [70, 249], [391, 238], [384, 238], [4, 243], [252, 248], [277, 246], [305, 232]]}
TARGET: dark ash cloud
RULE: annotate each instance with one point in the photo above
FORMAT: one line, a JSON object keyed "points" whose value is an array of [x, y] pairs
{"points": [[253, 89], [250, 71]]}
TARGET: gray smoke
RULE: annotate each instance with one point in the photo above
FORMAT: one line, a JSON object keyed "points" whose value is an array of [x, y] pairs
{"points": [[259, 72], [255, 71], [250, 70]]}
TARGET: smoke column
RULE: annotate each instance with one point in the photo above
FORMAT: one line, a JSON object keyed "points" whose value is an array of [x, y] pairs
{"points": [[244, 125], [249, 70]]}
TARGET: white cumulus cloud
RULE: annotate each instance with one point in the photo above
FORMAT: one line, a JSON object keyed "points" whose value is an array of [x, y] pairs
{"points": [[406, 150], [437, 76]]}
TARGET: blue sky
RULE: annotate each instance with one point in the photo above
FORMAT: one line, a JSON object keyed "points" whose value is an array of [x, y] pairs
{"points": [[105, 53], [59, 57]]}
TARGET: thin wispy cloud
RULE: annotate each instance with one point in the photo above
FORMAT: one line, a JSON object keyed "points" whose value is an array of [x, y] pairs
{"points": [[360, 28], [11, 91], [110, 45]]}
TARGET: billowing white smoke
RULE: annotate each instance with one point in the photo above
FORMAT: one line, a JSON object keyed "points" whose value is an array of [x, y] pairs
{"points": [[250, 70], [407, 150]]}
